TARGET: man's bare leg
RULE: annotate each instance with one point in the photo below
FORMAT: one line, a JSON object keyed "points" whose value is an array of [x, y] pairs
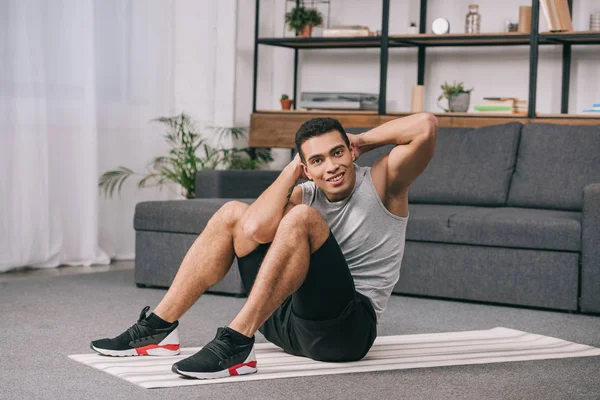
{"points": [[301, 232], [207, 261]]}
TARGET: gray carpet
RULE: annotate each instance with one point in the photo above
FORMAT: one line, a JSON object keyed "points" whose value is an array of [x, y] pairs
{"points": [[45, 319]]}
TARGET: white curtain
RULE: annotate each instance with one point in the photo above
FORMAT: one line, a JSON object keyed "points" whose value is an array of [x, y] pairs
{"points": [[79, 82]]}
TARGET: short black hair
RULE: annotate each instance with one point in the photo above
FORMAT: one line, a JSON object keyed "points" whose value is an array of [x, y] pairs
{"points": [[317, 127]]}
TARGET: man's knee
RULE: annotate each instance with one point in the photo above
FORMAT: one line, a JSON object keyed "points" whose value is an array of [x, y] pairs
{"points": [[302, 214], [232, 212], [305, 220]]}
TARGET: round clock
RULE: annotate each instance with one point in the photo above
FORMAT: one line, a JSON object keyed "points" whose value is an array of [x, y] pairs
{"points": [[440, 26]]}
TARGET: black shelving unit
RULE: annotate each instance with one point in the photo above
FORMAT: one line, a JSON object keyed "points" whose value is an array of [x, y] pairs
{"points": [[422, 41], [459, 40]]}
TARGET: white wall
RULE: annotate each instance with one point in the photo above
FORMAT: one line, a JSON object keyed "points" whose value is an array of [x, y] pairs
{"points": [[492, 71], [205, 61], [195, 50], [271, 73], [134, 46]]}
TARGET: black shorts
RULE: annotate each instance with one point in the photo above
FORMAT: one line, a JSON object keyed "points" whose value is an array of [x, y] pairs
{"points": [[325, 319]]}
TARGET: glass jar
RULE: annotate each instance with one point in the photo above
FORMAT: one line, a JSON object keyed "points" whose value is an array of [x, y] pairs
{"points": [[473, 20]]}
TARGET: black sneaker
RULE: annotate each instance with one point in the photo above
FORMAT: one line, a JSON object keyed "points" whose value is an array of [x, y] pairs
{"points": [[141, 340], [220, 358]]}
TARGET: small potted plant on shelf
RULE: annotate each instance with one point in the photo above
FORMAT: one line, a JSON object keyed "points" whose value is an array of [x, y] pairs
{"points": [[286, 102], [302, 20], [413, 29], [458, 98]]}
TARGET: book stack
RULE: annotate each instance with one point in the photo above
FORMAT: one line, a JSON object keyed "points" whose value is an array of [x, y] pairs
{"points": [[502, 105], [594, 110], [595, 21], [347, 31], [558, 17]]}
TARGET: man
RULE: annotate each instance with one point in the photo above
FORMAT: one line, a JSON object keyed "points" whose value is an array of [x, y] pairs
{"points": [[319, 260]]}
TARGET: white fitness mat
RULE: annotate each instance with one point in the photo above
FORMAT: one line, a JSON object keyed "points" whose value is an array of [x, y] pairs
{"points": [[388, 353]]}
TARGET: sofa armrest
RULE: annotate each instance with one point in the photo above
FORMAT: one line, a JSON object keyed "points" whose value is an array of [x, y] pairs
{"points": [[232, 184], [590, 249]]}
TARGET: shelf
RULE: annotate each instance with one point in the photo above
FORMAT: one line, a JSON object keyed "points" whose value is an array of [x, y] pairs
{"points": [[323, 43], [357, 112], [480, 115], [465, 114], [277, 129], [569, 116], [463, 39], [437, 114], [431, 40], [579, 37]]}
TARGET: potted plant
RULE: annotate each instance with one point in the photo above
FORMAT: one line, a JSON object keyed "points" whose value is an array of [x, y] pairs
{"points": [[413, 29], [286, 102], [458, 98], [314, 18], [301, 20], [188, 154]]}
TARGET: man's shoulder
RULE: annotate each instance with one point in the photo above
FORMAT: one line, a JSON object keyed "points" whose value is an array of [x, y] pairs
{"points": [[307, 185], [306, 190]]}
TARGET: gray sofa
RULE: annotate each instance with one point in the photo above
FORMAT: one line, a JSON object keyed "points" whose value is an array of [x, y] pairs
{"points": [[507, 214]]}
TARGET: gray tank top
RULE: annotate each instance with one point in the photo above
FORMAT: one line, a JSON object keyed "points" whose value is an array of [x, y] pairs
{"points": [[370, 237]]}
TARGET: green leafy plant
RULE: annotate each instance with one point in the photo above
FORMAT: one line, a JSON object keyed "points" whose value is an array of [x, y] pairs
{"points": [[299, 17], [413, 24], [296, 19], [189, 153], [451, 90], [284, 97], [314, 17]]}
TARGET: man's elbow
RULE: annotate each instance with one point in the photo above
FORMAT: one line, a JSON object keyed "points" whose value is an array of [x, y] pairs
{"points": [[429, 134], [431, 125], [256, 232]]}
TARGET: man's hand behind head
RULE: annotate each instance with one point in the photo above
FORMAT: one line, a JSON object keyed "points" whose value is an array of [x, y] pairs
{"points": [[297, 167], [355, 145]]}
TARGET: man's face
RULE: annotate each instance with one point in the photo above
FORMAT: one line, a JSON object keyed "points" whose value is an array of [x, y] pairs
{"points": [[329, 163]]}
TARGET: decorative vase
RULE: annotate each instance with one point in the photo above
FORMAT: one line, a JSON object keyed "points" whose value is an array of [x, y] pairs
{"points": [[459, 102], [306, 31], [417, 103], [286, 104]]}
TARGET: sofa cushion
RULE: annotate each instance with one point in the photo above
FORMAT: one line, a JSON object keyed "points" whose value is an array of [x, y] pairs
{"points": [[470, 166], [554, 163], [519, 228], [500, 227], [524, 277], [430, 222], [177, 216]]}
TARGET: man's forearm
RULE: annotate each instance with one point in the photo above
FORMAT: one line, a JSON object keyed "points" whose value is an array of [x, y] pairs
{"points": [[264, 215], [398, 131]]}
